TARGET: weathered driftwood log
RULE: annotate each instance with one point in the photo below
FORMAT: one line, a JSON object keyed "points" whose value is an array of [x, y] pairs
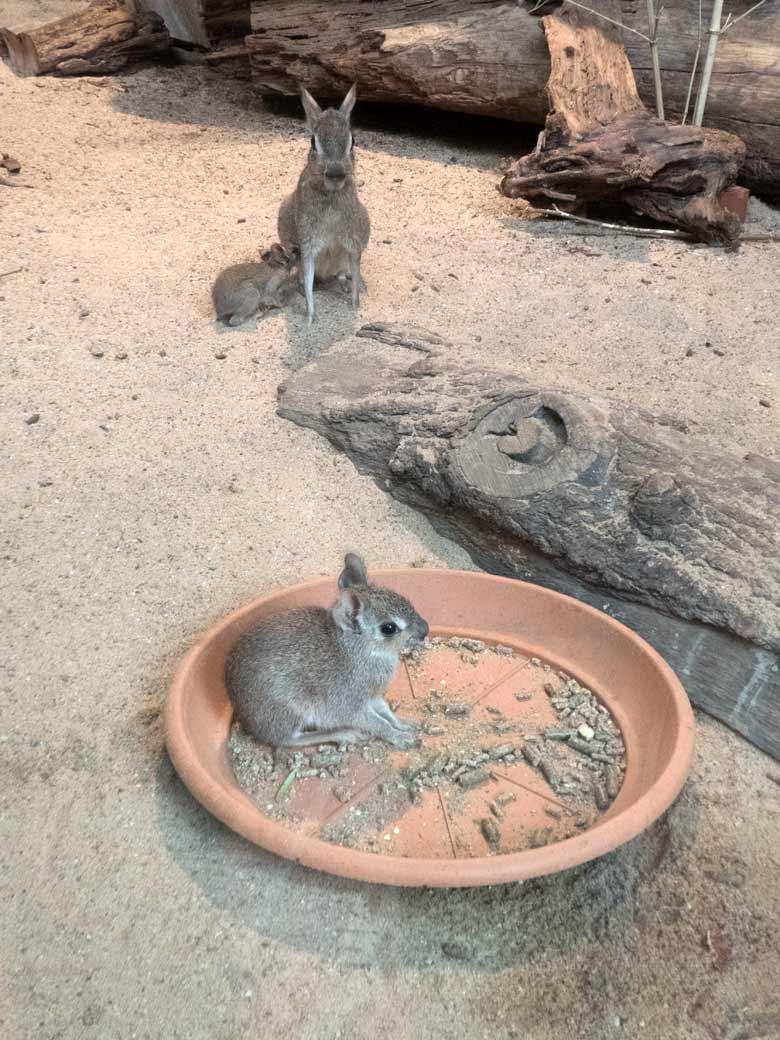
{"points": [[208, 23], [626, 510], [600, 142], [101, 38], [489, 57]]}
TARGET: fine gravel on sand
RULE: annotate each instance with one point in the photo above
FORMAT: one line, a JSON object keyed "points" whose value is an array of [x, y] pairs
{"points": [[157, 490]]}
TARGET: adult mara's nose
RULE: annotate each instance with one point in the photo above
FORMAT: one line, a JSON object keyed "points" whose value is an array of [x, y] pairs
{"points": [[335, 174], [423, 629]]}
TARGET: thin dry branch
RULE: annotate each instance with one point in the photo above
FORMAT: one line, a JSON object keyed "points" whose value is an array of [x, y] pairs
{"points": [[731, 21], [624, 229], [653, 20], [598, 14], [709, 61], [627, 229], [694, 70], [716, 30]]}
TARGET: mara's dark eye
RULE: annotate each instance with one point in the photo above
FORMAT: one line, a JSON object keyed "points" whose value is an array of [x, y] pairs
{"points": [[389, 628], [313, 141]]}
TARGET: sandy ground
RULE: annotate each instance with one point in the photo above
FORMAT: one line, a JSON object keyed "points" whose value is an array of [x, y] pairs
{"points": [[158, 490]]}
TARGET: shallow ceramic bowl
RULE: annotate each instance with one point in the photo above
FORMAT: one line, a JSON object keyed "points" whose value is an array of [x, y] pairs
{"points": [[644, 696]]}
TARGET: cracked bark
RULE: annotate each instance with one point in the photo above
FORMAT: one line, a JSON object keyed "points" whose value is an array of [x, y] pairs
{"points": [[626, 510]]}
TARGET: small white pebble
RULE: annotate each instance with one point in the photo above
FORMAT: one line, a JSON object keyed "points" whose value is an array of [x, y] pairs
{"points": [[586, 732], [385, 837], [396, 830]]}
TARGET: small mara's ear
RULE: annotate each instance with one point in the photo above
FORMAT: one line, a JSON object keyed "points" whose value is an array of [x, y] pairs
{"points": [[311, 108], [354, 572], [349, 101], [276, 254], [347, 611]]}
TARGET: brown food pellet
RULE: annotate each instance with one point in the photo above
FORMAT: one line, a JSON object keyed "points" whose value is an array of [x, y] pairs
{"points": [[456, 711], [613, 781], [531, 755], [473, 778], [490, 831], [601, 796], [549, 774]]}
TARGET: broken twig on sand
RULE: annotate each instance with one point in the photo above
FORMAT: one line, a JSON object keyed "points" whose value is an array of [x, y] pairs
{"points": [[627, 229]]}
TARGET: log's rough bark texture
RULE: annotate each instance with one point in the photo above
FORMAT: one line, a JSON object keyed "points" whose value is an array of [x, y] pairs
{"points": [[490, 57], [600, 142], [102, 38], [627, 510], [208, 23]]}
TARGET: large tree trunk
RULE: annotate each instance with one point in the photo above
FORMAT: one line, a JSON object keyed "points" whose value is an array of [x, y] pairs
{"points": [[491, 58], [101, 38], [600, 142], [623, 509]]}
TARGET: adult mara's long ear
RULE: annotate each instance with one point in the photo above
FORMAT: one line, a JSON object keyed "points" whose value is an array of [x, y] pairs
{"points": [[347, 611], [349, 101], [354, 572], [311, 108]]}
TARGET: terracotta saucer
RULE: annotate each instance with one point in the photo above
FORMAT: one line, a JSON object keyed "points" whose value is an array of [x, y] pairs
{"points": [[432, 844]]}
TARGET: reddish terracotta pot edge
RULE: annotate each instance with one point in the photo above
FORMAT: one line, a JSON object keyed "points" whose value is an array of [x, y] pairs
{"points": [[607, 835]]}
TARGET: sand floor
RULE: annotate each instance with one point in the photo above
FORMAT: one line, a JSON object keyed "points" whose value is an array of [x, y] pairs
{"points": [[158, 490]]}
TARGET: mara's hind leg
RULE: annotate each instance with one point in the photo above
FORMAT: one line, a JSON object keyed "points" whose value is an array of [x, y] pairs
{"points": [[246, 303], [307, 272], [354, 271]]}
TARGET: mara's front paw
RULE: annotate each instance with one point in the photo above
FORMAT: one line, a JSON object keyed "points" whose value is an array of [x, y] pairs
{"points": [[406, 725], [404, 740]]}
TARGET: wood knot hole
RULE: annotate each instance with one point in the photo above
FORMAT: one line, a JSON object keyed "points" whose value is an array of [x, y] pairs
{"points": [[533, 440]]}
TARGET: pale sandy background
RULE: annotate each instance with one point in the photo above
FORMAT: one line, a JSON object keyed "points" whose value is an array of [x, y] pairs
{"points": [[159, 490]]}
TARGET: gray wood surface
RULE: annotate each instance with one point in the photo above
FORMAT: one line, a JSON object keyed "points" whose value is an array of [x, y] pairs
{"points": [[628, 511], [208, 23]]}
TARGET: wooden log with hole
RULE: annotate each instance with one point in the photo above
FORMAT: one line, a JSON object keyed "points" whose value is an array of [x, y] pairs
{"points": [[631, 512], [490, 57], [101, 38], [601, 143]]}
